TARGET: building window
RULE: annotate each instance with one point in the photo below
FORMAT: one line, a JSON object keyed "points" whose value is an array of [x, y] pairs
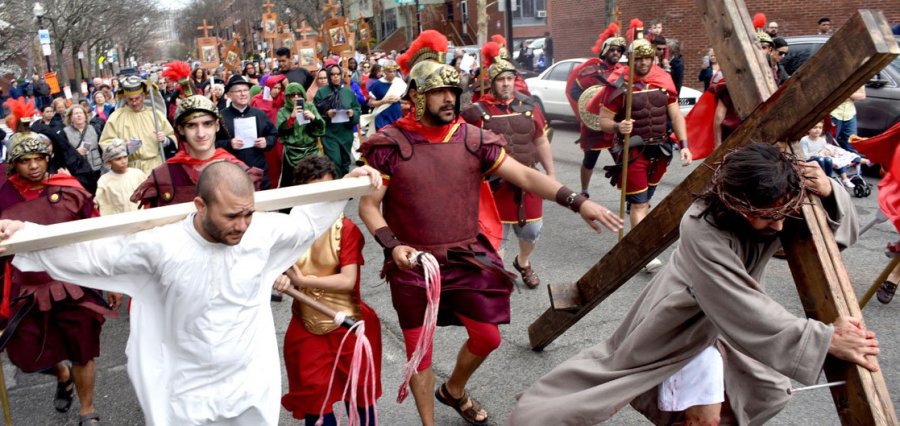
{"points": [[389, 22], [530, 12], [464, 11]]}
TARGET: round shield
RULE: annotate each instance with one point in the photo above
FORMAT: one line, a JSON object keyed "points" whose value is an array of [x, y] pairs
{"points": [[591, 121]]}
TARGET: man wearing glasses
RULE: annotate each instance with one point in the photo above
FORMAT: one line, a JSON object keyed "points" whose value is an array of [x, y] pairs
{"points": [[609, 49], [250, 132]]}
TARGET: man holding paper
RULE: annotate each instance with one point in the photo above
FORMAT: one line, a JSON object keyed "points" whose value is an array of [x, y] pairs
{"points": [[250, 131]]}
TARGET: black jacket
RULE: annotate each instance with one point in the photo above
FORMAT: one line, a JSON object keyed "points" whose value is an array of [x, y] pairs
{"points": [[252, 157]]}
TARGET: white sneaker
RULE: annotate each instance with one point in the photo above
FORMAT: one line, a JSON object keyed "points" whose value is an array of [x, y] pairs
{"points": [[653, 266], [848, 184]]}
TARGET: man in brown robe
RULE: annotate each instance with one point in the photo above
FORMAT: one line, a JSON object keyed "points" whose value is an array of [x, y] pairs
{"points": [[711, 295]]}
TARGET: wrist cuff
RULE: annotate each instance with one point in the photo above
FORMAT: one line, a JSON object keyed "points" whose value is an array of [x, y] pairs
{"points": [[684, 144], [570, 199], [385, 238]]}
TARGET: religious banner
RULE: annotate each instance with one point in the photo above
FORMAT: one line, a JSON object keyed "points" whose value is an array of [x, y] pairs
{"points": [[305, 50], [208, 49], [365, 34], [337, 35], [270, 25], [232, 58]]}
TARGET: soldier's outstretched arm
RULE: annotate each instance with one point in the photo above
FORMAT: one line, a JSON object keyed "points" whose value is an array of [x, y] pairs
{"points": [[538, 183]]}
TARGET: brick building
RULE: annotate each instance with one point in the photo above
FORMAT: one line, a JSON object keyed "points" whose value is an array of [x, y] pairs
{"points": [[575, 29]]}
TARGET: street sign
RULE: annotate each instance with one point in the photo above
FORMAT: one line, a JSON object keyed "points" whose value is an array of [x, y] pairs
{"points": [[44, 36], [45, 48], [405, 2], [101, 59]]}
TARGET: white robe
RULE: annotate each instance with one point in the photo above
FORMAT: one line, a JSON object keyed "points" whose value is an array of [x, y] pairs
{"points": [[202, 347]]}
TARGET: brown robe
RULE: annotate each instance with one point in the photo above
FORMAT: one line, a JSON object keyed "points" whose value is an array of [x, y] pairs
{"points": [[709, 293]]}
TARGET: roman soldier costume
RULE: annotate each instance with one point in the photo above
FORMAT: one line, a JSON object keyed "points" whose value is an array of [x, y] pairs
{"points": [[47, 321], [521, 123], [176, 181], [588, 78]]}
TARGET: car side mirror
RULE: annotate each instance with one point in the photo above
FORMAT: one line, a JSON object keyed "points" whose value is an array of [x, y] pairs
{"points": [[876, 82]]}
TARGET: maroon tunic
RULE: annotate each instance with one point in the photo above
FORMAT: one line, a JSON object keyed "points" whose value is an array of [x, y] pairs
{"points": [[431, 204], [50, 321]]}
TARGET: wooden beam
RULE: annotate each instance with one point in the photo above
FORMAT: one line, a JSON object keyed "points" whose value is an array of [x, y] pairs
{"points": [[126, 223], [862, 47], [746, 70], [827, 293]]}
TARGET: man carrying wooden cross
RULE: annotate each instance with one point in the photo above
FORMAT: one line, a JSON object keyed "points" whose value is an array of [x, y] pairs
{"points": [[202, 346], [705, 326]]}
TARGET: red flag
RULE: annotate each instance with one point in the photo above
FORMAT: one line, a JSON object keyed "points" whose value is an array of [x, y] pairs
{"points": [[700, 129], [883, 149]]}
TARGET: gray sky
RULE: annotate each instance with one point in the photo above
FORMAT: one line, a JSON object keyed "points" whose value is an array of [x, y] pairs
{"points": [[172, 4]]}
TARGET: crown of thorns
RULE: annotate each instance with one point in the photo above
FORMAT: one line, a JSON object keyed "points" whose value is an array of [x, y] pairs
{"points": [[789, 208]]}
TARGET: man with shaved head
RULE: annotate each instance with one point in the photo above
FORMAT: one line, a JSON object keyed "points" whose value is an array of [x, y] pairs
{"points": [[204, 350]]}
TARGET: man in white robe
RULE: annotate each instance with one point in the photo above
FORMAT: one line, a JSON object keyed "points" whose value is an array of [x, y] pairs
{"points": [[202, 348]]}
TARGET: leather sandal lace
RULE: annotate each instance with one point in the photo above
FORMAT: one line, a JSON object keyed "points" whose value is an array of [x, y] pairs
{"points": [[470, 414], [65, 392], [530, 278]]}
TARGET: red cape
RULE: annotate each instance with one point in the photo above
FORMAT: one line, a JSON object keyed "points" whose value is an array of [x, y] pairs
{"points": [[656, 77], [182, 157], [59, 179], [700, 131], [488, 217], [883, 149], [571, 81]]}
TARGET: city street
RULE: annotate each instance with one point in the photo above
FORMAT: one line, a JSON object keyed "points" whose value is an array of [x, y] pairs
{"points": [[566, 250]]}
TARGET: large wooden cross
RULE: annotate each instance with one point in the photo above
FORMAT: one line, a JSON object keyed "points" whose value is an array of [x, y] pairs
{"points": [[332, 8], [862, 47], [205, 27], [268, 5], [304, 31]]}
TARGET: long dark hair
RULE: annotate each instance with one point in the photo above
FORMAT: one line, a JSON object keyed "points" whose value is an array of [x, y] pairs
{"points": [[756, 177]]}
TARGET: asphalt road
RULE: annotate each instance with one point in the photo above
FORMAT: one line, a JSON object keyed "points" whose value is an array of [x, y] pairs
{"points": [[567, 249]]}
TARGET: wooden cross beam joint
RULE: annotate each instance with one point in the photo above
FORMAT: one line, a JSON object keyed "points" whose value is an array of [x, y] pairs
{"points": [[332, 8], [205, 27], [268, 5], [862, 47]]}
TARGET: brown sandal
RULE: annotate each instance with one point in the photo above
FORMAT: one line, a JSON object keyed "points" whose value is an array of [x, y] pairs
{"points": [[886, 292], [530, 279], [470, 414]]}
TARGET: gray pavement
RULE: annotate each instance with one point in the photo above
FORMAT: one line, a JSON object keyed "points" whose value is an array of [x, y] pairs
{"points": [[567, 249]]}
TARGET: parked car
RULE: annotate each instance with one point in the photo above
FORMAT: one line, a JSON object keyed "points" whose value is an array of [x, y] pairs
{"points": [[881, 108], [549, 88]]}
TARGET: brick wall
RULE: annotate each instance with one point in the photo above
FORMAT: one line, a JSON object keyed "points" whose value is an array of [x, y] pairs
{"points": [[574, 30]]}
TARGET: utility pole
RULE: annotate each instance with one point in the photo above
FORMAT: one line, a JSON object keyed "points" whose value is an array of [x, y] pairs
{"points": [[482, 22], [509, 26], [418, 19]]}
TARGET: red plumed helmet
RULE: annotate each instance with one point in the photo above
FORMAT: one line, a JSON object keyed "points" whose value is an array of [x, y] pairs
{"points": [[635, 24], [489, 51], [610, 31], [18, 109], [759, 21], [177, 70], [499, 39], [429, 39]]}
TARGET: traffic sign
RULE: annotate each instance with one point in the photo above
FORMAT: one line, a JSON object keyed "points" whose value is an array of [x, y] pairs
{"points": [[44, 36]]}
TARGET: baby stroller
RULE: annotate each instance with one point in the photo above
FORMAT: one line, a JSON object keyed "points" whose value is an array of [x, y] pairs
{"points": [[852, 164]]}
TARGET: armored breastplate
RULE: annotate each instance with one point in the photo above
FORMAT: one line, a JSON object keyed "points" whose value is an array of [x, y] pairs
{"points": [[648, 110], [432, 201], [323, 259], [518, 129]]}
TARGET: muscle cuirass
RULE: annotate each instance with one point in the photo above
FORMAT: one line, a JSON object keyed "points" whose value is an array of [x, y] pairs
{"points": [[432, 200], [517, 128], [56, 204], [648, 110], [323, 259]]}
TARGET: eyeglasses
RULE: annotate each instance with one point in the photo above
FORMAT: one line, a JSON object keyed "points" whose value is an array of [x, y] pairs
{"points": [[334, 73], [296, 95], [780, 53]]}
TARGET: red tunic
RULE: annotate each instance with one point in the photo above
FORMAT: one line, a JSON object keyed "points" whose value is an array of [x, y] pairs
{"points": [[309, 358], [506, 195], [592, 72]]}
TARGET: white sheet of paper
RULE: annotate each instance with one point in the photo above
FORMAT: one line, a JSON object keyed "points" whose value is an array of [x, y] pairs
{"points": [[300, 120], [340, 116], [267, 94], [467, 62], [245, 130]]}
